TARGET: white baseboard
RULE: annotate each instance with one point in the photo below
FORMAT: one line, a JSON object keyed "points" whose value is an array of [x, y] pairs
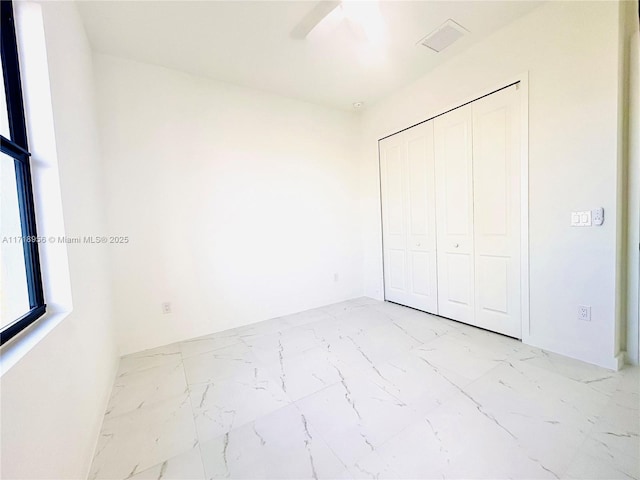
{"points": [[619, 360]]}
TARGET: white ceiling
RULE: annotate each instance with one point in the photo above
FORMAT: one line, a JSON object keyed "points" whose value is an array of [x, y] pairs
{"points": [[248, 43]]}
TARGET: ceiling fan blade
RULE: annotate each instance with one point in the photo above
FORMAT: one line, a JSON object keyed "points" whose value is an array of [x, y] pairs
{"points": [[313, 18]]}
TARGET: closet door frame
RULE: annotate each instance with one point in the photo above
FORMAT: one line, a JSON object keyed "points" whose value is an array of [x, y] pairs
{"points": [[522, 81]]}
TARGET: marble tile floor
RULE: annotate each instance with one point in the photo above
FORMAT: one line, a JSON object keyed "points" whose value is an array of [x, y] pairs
{"points": [[366, 389]]}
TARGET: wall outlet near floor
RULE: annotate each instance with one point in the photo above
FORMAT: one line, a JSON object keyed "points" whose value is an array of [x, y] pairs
{"points": [[166, 307], [336, 277], [584, 313]]}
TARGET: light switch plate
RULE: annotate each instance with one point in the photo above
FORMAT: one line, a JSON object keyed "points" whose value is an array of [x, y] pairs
{"points": [[575, 219], [581, 219]]}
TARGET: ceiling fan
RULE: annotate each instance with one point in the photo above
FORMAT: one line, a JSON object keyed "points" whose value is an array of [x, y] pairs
{"points": [[364, 18], [314, 17]]}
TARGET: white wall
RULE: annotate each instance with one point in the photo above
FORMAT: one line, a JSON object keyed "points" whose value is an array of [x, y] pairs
{"points": [[239, 205], [633, 186], [54, 398], [570, 50]]}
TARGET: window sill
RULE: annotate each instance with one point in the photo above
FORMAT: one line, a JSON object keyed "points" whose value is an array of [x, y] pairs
{"points": [[19, 346]]}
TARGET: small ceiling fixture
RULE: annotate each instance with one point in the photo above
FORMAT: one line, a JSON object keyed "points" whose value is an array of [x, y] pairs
{"points": [[358, 105], [443, 36]]}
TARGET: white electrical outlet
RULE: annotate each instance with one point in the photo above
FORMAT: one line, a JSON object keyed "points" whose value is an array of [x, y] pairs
{"points": [[584, 313], [166, 308], [597, 216]]}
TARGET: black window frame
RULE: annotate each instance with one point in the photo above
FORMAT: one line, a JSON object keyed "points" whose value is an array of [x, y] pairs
{"points": [[17, 148]]}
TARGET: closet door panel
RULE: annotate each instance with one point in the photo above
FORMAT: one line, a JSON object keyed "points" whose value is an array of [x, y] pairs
{"points": [[421, 241], [454, 214], [392, 159], [408, 209], [397, 270], [496, 171], [421, 284]]}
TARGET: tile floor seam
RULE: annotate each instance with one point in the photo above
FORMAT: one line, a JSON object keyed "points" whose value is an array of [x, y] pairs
{"points": [[193, 414], [577, 451], [403, 430], [422, 417], [567, 377], [248, 422], [464, 392], [321, 437], [585, 436], [592, 428]]}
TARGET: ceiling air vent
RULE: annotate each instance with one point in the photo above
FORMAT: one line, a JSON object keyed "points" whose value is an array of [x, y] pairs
{"points": [[443, 36]]}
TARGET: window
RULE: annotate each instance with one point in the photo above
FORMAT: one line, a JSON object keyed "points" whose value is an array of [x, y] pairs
{"points": [[21, 295]]}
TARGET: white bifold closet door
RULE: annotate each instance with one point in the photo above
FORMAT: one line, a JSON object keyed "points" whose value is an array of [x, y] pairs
{"points": [[497, 211], [477, 162], [408, 216], [451, 205], [454, 197]]}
